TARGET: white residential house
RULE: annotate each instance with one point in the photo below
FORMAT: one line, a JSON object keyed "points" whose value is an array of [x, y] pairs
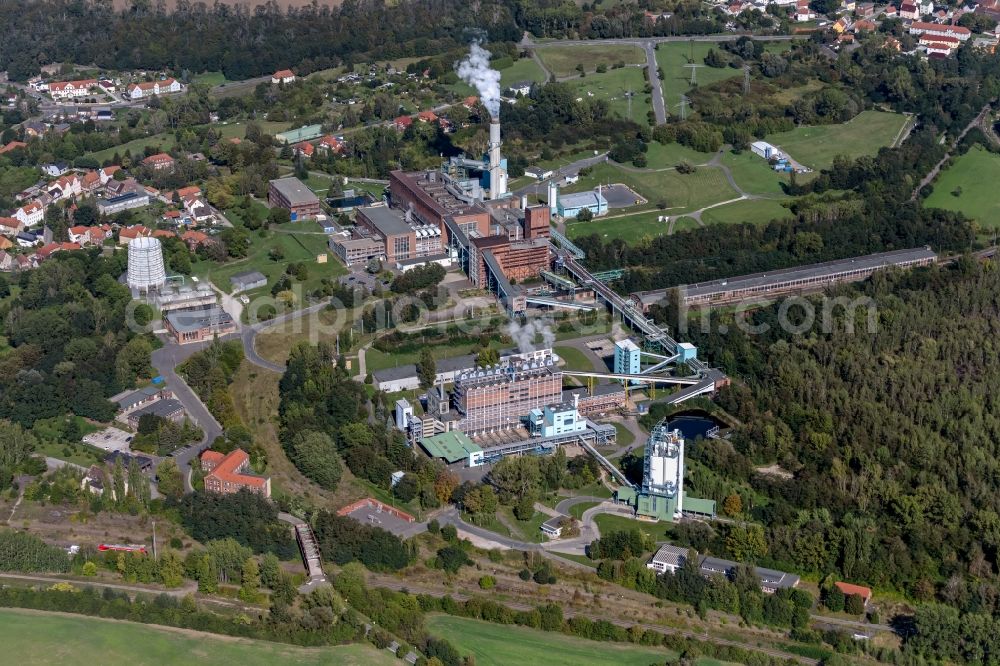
{"points": [[198, 210], [151, 88], [283, 76], [71, 89], [30, 214]]}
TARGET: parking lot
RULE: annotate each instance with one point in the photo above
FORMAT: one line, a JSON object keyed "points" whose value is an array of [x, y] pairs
{"points": [[620, 196], [110, 439]]}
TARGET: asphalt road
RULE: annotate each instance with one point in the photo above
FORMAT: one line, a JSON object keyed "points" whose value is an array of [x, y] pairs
{"points": [[165, 360]]}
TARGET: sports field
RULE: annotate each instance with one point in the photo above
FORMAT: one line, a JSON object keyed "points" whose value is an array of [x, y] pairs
{"points": [[816, 146], [32, 638], [976, 173], [562, 60], [503, 645]]}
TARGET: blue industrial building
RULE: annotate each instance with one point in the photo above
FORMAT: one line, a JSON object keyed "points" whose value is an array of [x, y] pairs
{"points": [[628, 358], [570, 205]]}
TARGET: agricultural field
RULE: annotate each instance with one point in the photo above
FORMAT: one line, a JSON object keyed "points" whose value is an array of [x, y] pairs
{"points": [[505, 644], [816, 146], [968, 186], [34, 638], [757, 211], [613, 87], [563, 60]]}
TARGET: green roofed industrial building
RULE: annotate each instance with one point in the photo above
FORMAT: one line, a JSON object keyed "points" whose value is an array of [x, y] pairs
{"points": [[452, 447]]}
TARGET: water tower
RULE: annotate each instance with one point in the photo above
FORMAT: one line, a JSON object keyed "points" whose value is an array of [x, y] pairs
{"points": [[145, 264]]}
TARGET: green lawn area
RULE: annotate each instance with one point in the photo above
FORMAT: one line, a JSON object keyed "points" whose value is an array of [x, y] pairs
{"points": [[526, 530], [508, 644], [238, 129], [575, 359], [377, 360], [672, 58], [136, 148], [562, 60], [666, 155], [609, 522], [977, 173], [210, 78], [623, 435], [816, 146], [524, 69], [40, 639], [295, 248], [759, 211], [577, 511], [754, 175], [631, 229], [80, 454], [612, 86], [682, 193], [685, 224]]}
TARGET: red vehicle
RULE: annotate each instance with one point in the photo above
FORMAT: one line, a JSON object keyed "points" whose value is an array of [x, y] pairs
{"points": [[122, 548]]}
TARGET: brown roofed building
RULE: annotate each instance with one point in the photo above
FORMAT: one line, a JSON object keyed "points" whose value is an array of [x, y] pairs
{"points": [[230, 473]]}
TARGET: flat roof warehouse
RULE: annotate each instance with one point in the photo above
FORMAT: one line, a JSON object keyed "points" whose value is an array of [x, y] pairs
{"points": [[294, 191]]}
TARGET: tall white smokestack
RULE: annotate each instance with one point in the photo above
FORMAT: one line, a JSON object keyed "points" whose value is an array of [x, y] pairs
{"points": [[498, 175]]}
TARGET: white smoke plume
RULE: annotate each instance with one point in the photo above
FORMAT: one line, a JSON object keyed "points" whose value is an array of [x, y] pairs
{"points": [[524, 336], [476, 71]]}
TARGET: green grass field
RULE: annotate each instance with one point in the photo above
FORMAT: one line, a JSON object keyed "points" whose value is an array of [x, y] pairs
{"points": [[664, 156], [525, 69], [672, 58], [502, 645], [562, 60], [294, 247], [759, 211], [754, 175], [609, 522], [682, 193], [575, 359], [210, 78], [631, 229], [816, 146], [977, 173], [43, 639], [377, 360], [613, 86], [136, 148]]}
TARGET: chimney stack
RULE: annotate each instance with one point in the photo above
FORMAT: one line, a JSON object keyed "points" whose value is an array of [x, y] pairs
{"points": [[498, 175]]}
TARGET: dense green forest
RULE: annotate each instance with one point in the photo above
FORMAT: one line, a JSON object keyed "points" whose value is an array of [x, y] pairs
{"points": [[244, 42], [890, 436], [71, 345]]}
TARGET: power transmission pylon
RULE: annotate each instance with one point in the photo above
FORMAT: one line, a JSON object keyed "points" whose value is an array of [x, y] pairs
{"points": [[683, 106], [694, 71], [746, 79]]}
